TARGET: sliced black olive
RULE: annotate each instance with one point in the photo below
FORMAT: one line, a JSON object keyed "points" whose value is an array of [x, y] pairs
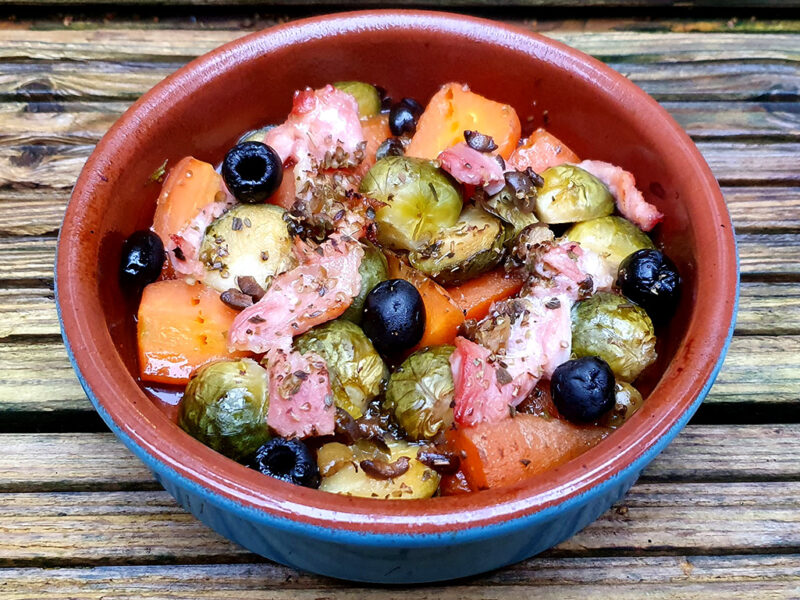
{"points": [[480, 142], [288, 460], [142, 259], [390, 147], [650, 278], [252, 171], [583, 389], [394, 316]]}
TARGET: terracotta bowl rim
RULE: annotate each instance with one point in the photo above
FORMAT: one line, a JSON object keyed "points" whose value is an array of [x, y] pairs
{"points": [[173, 455]]}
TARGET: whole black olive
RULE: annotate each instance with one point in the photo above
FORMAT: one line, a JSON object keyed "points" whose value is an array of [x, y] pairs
{"points": [[142, 259], [403, 116], [394, 316], [650, 278], [252, 171], [289, 460], [583, 389]]}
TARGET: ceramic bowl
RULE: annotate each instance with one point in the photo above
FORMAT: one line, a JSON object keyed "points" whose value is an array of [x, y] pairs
{"points": [[203, 108]]}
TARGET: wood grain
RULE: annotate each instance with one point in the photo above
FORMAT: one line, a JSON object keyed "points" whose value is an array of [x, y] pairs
{"points": [[766, 577]]}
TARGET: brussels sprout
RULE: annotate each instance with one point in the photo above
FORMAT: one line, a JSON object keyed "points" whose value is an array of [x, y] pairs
{"points": [[570, 194], [420, 392], [613, 238], [355, 368], [505, 205], [373, 269], [344, 471], [611, 327], [367, 96], [249, 239], [626, 402], [257, 135], [472, 246], [225, 407], [420, 200]]}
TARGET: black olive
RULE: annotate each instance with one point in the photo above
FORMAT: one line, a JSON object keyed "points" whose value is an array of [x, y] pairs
{"points": [[389, 147], [478, 141], [583, 389], [288, 460], [252, 171], [394, 316], [142, 259], [403, 116], [650, 278]]}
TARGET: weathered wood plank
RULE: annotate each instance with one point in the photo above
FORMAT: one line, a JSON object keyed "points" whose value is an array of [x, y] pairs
{"points": [[38, 377], [764, 309], [61, 529], [60, 462], [767, 576]]}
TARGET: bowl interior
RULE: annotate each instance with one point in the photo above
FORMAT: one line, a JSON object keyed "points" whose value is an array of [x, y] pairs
{"points": [[206, 106]]}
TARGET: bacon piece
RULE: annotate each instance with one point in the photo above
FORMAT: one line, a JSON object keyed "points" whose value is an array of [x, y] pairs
{"points": [[183, 248], [622, 185], [469, 166], [300, 398]]}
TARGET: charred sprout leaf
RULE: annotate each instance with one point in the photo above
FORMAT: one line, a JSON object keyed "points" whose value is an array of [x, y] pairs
{"points": [[570, 194], [356, 370], [507, 206], [612, 237], [225, 407], [627, 401], [420, 200], [366, 95], [385, 476], [248, 240], [611, 327], [469, 248], [373, 269], [420, 392]]}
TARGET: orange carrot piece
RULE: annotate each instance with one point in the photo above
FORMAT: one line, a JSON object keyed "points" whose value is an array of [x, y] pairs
{"points": [[181, 327], [454, 109], [443, 316], [376, 131], [542, 150], [454, 485], [191, 185], [495, 454], [476, 296]]}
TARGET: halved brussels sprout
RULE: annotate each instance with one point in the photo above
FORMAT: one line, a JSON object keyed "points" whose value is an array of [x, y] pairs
{"points": [[356, 370], [373, 269], [612, 237], [343, 471], [626, 402], [570, 194], [225, 407], [367, 96], [249, 239], [620, 332], [257, 135], [472, 246], [505, 206], [420, 201], [420, 393]]}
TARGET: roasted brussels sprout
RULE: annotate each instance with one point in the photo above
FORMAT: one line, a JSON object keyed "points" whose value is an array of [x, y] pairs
{"points": [[570, 194], [420, 201], [225, 407], [368, 471], [627, 400], [356, 370], [249, 239], [367, 96], [373, 269], [613, 238], [506, 206], [472, 246], [257, 135], [611, 327], [420, 393]]}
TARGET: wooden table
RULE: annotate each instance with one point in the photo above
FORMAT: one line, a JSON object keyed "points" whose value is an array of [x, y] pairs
{"points": [[716, 516]]}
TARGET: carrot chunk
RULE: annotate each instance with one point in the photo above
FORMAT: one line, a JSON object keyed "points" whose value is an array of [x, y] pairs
{"points": [[376, 131], [476, 296], [443, 316], [540, 151], [495, 454], [455, 109], [181, 327]]}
